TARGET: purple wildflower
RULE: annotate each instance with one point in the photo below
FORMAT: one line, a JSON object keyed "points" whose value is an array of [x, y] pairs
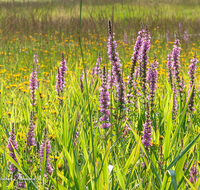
{"points": [[58, 82], [176, 65], [20, 183], [76, 135], [33, 85], [121, 94], [143, 58], [63, 69], [12, 143], [35, 59], [199, 86], [192, 69], [152, 79], [97, 68], [134, 60], [48, 151], [104, 102], [193, 173], [146, 138], [113, 56], [169, 66], [186, 37], [31, 134], [174, 110]]}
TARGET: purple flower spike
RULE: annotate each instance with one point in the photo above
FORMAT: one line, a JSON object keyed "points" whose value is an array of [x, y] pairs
{"points": [[146, 138], [33, 86], [114, 58], [104, 102], [192, 69], [143, 58], [97, 68], [176, 65], [58, 82], [193, 173], [12, 143], [33, 81], [134, 60], [174, 110], [63, 69], [152, 79], [48, 151], [31, 134]]}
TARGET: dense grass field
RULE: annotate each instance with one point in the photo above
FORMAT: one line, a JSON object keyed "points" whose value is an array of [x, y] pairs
{"points": [[89, 105]]}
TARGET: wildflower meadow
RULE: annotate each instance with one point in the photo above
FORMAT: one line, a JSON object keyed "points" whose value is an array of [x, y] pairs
{"points": [[99, 94]]}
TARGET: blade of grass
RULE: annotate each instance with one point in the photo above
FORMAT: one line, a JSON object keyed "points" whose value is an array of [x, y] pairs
{"points": [[182, 152]]}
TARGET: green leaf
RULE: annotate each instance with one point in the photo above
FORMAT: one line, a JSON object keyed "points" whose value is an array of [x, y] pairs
{"points": [[168, 132], [183, 117], [134, 156], [182, 153], [173, 178], [17, 166], [190, 184], [120, 177], [43, 163], [60, 187]]}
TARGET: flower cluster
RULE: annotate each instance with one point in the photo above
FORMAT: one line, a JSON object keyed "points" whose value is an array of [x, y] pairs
{"points": [[48, 151], [143, 58], [152, 80], [193, 173], [134, 60], [60, 83], [97, 70], [104, 102], [146, 138], [192, 69], [33, 86], [176, 65], [113, 56], [31, 134], [12, 143]]}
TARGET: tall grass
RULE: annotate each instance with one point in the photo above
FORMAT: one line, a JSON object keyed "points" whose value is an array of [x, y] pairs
{"points": [[83, 155]]}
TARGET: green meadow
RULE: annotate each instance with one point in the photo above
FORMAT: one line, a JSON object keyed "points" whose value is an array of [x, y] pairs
{"points": [[67, 123]]}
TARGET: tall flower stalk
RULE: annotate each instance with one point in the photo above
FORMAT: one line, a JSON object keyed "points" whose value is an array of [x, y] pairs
{"points": [[48, 151], [97, 71], [170, 71], [31, 134], [192, 69], [176, 66], [146, 138], [33, 82], [104, 102], [152, 80], [134, 60], [143, 59], [12, 144], [60, 83], [193, 173], [114, 58]]}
